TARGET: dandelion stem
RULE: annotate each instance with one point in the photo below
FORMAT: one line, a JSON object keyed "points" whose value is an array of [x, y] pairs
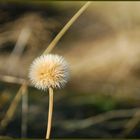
{"points": [[66, 27], [49, 49], [50, 113]]}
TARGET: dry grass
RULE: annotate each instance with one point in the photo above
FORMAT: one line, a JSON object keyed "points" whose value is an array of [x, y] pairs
{"points": [[102, 48]]}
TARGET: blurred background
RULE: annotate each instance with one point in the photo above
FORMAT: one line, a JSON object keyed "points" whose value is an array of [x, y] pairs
{"points": [[102, 97]]}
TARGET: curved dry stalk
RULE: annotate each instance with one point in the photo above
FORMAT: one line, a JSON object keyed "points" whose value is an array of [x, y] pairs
{"points": [[49, 49], [88, 122], [13, 80], [66, 27], [24, 119], [50, 113], [131, 124], [18, 48], [10, 112]]}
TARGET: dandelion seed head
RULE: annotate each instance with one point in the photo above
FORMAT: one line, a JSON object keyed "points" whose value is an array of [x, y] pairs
{"points": [[49, 71]]}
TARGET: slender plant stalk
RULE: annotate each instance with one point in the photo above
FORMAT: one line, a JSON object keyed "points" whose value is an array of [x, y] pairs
{"points": [[49, 49], [13, 80], [66, 27], [24, 119], [10, 112], [50, 113], [18, 49]]}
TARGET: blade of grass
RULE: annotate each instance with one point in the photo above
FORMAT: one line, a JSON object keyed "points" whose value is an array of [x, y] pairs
{"points": [[11, 110], [24, 120], [48, 50], [66, 27]]}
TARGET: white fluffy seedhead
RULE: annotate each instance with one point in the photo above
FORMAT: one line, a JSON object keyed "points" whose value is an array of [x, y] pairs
{"points": [[49, 71]]}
